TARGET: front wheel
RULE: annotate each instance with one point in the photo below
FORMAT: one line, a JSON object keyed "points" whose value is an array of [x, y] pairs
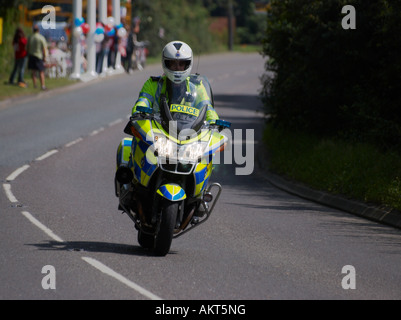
{"points": [[145, 240], [167, 224]]}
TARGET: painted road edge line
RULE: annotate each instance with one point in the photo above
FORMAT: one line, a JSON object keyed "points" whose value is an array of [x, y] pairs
{"points": [[9, 194], [69, 144], [105, 269], [93, 262], [41, 226], [17, 172], [46, 155], [95, 132]]}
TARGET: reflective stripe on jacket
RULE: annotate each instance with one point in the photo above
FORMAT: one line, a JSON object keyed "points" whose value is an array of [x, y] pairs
{"points": [[153, 88]]}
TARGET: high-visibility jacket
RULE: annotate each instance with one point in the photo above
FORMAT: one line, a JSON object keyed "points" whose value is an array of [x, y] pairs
{"points": [[154, 87]]}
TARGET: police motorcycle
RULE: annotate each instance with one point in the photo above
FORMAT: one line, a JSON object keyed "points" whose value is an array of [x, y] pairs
{"points": [[164, 169]]}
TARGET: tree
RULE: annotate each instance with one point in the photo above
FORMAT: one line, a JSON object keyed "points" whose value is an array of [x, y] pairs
{"points": [[5, 5], [180, 20], [332, 81]]}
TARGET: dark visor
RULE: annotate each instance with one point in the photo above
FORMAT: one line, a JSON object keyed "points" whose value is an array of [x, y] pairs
{"points": [[173, 64]]}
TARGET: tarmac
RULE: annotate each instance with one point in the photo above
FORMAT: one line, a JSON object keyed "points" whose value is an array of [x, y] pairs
{"points": [[381, 214]]}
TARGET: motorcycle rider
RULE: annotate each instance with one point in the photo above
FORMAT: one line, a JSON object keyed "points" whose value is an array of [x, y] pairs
{"points": [[177, 62]]}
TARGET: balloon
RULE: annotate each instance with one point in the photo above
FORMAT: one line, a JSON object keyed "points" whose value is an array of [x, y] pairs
{"points": [[107, 28], [79, 21], [110, 21], [77, 31], [120, 25], [122, 32], [98, 37], [99, 30], [111, 33], [85, 28]]}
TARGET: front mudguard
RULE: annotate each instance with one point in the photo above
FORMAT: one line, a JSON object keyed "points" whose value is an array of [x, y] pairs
{"points": [[172, 192]]}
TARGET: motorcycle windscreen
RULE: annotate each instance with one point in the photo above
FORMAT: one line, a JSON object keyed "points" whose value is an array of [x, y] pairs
{"points": [[188, 117], [186, 104], [179, 122]]}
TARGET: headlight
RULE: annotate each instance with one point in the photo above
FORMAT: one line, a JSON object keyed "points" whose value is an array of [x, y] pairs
{"points": [[165, 147], [191, 152]]}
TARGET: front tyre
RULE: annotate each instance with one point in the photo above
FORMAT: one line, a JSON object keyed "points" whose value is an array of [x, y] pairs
{"points": [[168, 221], [146, 241]]}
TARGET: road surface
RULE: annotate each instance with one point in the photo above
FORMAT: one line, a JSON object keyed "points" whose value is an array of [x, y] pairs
{"points": [[62, 236]]}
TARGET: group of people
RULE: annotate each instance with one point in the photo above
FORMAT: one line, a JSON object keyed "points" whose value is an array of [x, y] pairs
{"points": [[33, 49], [111, 45]]}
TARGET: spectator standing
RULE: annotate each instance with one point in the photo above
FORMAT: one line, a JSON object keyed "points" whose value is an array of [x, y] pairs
{"points": [[113, 48], [20, 53], [127, 62], [37, 53], [103, 51]]}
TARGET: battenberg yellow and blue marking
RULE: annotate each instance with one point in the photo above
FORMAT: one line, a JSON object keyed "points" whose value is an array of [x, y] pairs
{"points": [[124, 152], [144, 129], [142, 165], [135, 153], [202, 173], [172, 192]]}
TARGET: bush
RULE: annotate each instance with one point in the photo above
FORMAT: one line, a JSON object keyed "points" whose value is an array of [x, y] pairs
{"points": [[330, 81]]}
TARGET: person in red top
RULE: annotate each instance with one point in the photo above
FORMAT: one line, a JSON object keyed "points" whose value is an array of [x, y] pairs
{"points": [[20, 53]]}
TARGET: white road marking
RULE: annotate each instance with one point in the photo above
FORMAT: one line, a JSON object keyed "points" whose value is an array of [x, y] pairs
{"points": [[93, 262], [95, 132], [115, 122], [105, 269], [69, 144], [46, 155], [41, 226], [17, 172], [9, 194]]}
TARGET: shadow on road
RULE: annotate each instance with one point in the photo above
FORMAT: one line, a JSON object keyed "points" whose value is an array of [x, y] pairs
{"points": [[94, 246]]}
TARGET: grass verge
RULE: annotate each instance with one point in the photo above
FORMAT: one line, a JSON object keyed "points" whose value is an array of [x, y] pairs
{"points": [[357, 171], [8, 91]]}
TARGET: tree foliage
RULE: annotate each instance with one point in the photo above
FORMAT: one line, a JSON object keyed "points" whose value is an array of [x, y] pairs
{"points": [[5, 5], [183, 20], [332, 81]]}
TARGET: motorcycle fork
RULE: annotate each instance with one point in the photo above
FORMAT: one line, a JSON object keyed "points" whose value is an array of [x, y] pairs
{"points": [[162, 178], [180, 231]]}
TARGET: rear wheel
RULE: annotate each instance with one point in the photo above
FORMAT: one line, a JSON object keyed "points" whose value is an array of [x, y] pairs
{"points": [[167, 225]]}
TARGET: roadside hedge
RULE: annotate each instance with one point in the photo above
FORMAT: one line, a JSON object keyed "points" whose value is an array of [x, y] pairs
{"points": [[331, 81]]}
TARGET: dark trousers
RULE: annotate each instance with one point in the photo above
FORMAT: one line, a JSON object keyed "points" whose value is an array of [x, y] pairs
{"points": [[19, 66], [128, 61], [99, 61]]}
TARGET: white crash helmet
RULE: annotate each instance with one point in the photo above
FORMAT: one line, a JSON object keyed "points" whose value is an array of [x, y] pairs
{"points": [[177, 50]]}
